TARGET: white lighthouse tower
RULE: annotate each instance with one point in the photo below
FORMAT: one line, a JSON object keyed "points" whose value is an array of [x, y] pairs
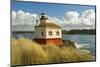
{"points": [[47, 32]]}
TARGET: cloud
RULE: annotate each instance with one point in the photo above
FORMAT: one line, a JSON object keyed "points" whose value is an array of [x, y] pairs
{"points": [[74, 20], [25, 21], [88, 16], [72, 17]]}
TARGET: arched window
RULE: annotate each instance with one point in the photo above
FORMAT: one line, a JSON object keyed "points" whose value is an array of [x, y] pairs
{"points": [[57, 33], [50, 33]]}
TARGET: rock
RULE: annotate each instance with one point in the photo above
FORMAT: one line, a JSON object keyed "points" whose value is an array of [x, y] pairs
{"points": [[69, 43]]}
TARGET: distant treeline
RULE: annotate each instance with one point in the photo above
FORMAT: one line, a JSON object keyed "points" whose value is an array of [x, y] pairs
{"points": [[83, 32], [70, 32], [22, 32]]}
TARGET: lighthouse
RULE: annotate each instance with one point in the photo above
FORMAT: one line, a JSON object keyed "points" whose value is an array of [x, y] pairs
{"points": [[47, 32]]}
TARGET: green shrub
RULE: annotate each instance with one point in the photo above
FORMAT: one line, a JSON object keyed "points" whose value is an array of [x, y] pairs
{"points": [[69, 43]]}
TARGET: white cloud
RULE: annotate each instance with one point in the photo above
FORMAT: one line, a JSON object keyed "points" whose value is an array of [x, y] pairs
{"points": [[72, 17], [74, 20], [20, 18], [24, 21], [88, 16], [55, 20]]}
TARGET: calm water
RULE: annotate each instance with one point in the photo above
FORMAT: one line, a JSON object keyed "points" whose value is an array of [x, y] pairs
{"points": [[86, 41]]}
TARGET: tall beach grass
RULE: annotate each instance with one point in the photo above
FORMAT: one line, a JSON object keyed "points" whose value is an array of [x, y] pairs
{"points": [[25, 51]]}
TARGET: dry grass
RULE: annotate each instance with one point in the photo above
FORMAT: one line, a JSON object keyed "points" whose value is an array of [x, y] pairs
{"points": [[25, 51], [31, 53], [73, 55], [16, 52], [54, 53]]}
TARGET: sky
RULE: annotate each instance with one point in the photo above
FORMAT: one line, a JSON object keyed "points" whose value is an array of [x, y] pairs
{"points": [[68, 16]]}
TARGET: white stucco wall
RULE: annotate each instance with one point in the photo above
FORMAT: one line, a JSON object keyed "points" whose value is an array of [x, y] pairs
{"points": [[54, 30], [38, 31]]}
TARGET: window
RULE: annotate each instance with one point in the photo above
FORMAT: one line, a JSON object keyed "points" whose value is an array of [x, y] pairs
{"points": [[42, 33], [50, 33], [57, 33]]}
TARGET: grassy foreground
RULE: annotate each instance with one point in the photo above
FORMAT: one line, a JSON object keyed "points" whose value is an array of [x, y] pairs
{"points": [[25, 51]]}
